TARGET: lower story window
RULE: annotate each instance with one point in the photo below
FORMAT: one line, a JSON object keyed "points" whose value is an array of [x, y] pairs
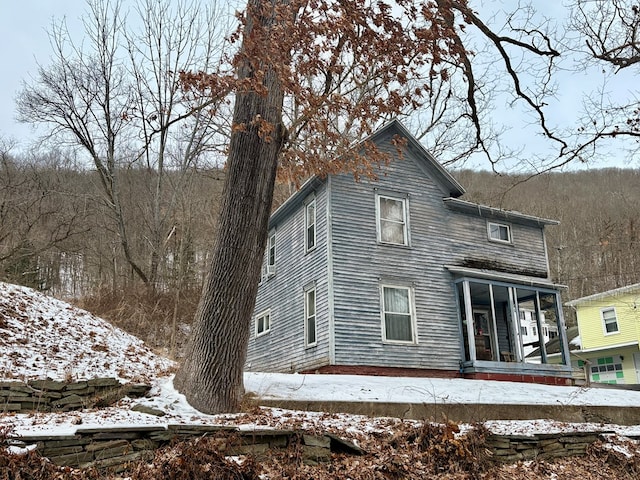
{"points": [[310, 316], [263, 323], [397, 314]]}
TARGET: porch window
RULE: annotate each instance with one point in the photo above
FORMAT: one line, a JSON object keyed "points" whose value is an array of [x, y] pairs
{"points": [[392, 220], [397, 314], [310, 316], [263, 323], [499, 232], [610, 321], [310, 225], [493, 325]]}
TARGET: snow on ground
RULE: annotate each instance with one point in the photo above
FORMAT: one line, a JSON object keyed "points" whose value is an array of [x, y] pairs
{"points": [[356, 388], [43, 337]]}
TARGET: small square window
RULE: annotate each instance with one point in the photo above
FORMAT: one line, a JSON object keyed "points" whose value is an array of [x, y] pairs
{"points": [[499, 232], [263, 323]]}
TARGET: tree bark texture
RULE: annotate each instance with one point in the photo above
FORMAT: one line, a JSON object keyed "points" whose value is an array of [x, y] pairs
{"points": [[211, 376]]}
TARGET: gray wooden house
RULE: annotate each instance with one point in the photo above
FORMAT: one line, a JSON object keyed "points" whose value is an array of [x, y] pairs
{"points": [[400, 276]]}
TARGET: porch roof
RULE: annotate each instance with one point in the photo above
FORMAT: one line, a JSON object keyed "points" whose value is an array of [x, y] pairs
{"points": [[503, 277]]}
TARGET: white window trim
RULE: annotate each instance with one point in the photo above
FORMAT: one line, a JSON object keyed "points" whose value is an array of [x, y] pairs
{"points": [[261, 315], [412, 310], [405, 218], [271, 268], [306, 316], [499, 240], [307, 225], [604, 324]]}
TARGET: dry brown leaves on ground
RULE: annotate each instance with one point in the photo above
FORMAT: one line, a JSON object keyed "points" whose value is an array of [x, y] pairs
{"points": [[428, 451]]}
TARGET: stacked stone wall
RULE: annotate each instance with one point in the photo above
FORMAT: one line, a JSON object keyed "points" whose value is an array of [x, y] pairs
{"points": [[52, 395], [115, 448]]}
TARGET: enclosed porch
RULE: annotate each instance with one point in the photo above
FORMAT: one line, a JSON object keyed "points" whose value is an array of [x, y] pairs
{"points": [[503, 318]]}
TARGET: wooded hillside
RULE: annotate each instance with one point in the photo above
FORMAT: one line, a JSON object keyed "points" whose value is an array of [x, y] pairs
{"points": [[58, 234]]}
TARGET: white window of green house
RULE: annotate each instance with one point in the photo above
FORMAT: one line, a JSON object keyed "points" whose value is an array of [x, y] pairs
{"points": [[310, 317], [609, 321], [499, 232], [392, 220], [263, 323], [310, 225], [606, 369], [397, 314]]}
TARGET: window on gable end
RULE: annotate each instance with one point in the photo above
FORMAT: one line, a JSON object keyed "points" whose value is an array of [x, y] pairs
{"points": [[392, 220], [499, 232], [610, 321], [310, 225]]}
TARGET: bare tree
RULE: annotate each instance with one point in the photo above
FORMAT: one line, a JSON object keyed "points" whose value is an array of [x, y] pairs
{"points": [[116, 96], [609, 35], [39, 216]]}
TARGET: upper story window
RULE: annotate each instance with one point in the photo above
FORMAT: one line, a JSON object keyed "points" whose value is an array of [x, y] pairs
{"points": [[397, 314], [392, 220], [610, 321], [263, 323], [310, 225], [269, 262], [499, 232], [271, 254], [310, 316]]}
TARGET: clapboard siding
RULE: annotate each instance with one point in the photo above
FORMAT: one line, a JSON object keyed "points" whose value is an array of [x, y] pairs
{"points": [[441, 232], [361, 265], [438, 236], [283, 348]]}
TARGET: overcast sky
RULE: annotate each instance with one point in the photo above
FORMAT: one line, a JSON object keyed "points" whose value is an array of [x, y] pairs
{"points": [[24, 40]]}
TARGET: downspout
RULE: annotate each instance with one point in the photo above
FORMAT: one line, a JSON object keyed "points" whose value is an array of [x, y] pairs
{"points": [[330, 290]]}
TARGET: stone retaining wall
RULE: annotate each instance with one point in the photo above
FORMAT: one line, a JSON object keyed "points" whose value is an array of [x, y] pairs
{"points": [[511, 448], [114, 448], [51, 395]]}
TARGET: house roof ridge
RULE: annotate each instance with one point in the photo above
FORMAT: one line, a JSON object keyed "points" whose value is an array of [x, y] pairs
{"points": [[607, 293]]}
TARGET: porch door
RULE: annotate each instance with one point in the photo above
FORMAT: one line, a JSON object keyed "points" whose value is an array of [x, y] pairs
{"points": [[484, 335], [636, 363]]}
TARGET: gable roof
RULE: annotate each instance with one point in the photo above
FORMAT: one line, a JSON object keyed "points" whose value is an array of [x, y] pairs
{"points": [[601, 295], [428, 163]]}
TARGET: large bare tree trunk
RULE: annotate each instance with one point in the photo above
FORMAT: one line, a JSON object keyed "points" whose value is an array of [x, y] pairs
{"points": [[211, 374]]}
